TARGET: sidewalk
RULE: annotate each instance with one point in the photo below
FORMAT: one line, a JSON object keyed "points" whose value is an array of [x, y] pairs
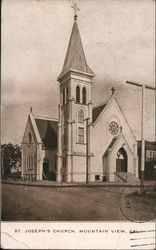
{"points": [[55, 184]]}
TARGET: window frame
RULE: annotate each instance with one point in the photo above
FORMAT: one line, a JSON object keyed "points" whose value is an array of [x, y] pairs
{"points": [[81, 116], [78, 95], [81, 135], [63, 97], [84, 95]]}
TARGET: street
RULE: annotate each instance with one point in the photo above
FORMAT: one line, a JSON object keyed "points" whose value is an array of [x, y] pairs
{"points": [[29, 203], [26, 203]]}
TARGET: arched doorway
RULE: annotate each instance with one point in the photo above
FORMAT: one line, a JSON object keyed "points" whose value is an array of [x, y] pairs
{"points": [[45, 168], [121, 160]]}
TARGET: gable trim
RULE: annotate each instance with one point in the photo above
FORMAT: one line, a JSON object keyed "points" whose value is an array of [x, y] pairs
{"points": [[46, 118], [115, 142], [36, 132], [33, 126]]}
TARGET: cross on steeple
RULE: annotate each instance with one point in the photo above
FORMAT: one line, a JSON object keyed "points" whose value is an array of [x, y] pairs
{"points": [[74, 6], [113, 90]]}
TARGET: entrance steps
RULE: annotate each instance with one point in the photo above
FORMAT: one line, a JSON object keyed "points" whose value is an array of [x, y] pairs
{"points": [[126, 178]]}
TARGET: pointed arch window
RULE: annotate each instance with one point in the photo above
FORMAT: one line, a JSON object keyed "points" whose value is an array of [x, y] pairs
{"points": [[81, 116], [78, 94], [84, 95], [64, 97]]}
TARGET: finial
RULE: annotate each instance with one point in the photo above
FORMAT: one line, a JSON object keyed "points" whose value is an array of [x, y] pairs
{"points": [[30, 109], [74, 6], [113, 90]]}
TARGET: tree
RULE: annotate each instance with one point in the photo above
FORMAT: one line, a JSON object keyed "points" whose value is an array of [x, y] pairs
{"points": [[11, 155]]}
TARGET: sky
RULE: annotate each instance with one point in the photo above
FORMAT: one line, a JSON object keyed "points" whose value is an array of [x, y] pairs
{"points": [[118, 38]]}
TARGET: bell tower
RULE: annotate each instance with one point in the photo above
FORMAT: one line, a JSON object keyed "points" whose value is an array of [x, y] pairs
{"points": [[74, 107]]}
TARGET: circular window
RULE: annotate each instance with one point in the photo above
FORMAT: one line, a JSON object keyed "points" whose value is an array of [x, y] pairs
{"points": [[113, 128]]}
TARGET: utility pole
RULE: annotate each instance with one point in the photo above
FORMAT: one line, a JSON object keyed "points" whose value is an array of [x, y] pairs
{"points": [[87, 153], [143, 86]]}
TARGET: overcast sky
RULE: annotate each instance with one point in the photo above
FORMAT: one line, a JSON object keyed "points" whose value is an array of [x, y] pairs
{"points": [[118, 40]]}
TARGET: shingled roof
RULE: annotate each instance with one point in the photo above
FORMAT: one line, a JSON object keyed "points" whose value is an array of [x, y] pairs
{"points": [[48, 132], [97, 111], [75, 57]]}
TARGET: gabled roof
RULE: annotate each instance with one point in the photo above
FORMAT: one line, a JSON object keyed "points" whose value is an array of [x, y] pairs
{"points": [[114, 141], [97, 110], [48, 131], [75, 57], [34, 128]]}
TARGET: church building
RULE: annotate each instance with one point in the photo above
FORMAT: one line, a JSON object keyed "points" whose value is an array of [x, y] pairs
{"points": [[86, 143]]}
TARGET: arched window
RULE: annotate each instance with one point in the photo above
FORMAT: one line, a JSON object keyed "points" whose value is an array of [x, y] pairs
{"points": [[63, 97], [81, 116], [84, 95], [77, 94], [30, 138]]}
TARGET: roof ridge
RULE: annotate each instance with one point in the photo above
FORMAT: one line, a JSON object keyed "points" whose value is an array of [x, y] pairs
{"points": [[45, 118]]}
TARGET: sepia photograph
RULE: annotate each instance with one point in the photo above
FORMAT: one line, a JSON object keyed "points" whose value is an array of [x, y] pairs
{"points": [[78, 111]]}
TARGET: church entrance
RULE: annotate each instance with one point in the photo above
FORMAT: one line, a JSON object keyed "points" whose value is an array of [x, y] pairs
{"points": [[121, 161]]}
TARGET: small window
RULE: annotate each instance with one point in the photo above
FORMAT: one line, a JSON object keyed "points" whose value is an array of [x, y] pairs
{"points": [[84, 95], [81, 116], [78, 94], [30, 138], [64, 97], [97, 177], [81, 135]]}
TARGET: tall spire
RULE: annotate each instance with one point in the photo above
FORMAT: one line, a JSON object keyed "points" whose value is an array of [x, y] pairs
{"points": [[75, 57]]}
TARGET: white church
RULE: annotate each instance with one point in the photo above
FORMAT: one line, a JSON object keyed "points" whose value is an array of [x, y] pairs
{"points": [[86, 143]]}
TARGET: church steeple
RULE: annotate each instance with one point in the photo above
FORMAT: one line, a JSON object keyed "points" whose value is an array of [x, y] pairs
{"points": [[75, 105], [75, 59]]}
